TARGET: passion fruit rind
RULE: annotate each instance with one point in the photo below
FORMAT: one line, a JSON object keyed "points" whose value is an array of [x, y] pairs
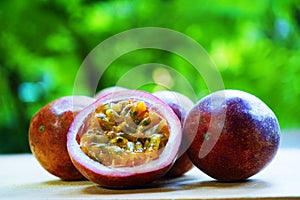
{"points": [[181, 105], [109, 90], [246, 141], [125, 139], [48, 135]]}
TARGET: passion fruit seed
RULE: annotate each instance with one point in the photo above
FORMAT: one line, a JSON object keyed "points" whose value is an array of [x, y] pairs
{"points": [[125, 134]]}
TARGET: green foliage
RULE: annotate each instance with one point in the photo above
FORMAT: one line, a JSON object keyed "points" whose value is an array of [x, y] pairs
{"points": [[255, 45]]}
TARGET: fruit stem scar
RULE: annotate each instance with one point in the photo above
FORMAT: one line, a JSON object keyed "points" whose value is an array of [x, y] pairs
{"points": [[41, 128]]}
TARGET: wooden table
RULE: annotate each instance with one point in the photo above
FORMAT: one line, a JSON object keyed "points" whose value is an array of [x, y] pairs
{"points": [[21, 177]]}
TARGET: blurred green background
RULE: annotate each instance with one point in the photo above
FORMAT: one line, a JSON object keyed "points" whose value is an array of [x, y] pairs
{"points": [[255, 45]]}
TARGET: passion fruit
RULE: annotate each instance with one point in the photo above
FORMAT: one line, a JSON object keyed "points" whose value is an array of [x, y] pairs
{"points": [[124, 139], [181, 105], [48, 135], [234, 135], [109, 90]]}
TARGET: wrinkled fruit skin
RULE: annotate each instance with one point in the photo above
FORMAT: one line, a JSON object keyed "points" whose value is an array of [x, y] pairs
{"points": [[48, 135], [246, 143], [129, 177], [181, 105]]}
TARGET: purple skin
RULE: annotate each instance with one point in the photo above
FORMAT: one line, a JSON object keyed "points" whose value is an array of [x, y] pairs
{"points": [[129, 177], [181, 105], [245, 144], [47, 135], [108, 90]]}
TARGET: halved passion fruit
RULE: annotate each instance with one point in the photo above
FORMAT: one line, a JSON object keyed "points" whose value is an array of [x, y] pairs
{"points": [[124, 139]]}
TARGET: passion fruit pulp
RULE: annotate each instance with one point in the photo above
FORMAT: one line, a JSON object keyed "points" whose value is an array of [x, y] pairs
{"points": [[181, 105], [124, 139], [233, 134], [48, 135], [129, 134]]}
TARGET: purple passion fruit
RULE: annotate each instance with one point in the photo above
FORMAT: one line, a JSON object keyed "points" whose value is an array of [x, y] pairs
{"points": [[48, 135], [181, 105], [109, 90], [124, 139], [243, 130], [182, 165]]}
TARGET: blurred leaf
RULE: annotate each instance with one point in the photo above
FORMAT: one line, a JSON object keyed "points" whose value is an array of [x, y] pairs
{"points": [[255, 45]]}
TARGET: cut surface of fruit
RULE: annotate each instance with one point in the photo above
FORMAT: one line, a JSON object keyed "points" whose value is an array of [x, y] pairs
{"points": [[125, 139], [125, 134]]}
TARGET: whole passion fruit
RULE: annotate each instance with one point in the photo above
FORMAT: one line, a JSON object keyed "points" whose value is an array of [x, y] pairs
{"points": [[181, 105], [109, 90], [234, 135], [124, 139], [48, 135]]}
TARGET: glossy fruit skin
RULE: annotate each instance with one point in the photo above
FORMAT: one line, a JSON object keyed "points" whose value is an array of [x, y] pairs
{"points": [[125, 177], [181, 105], [48, 135], [248, 139]]}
